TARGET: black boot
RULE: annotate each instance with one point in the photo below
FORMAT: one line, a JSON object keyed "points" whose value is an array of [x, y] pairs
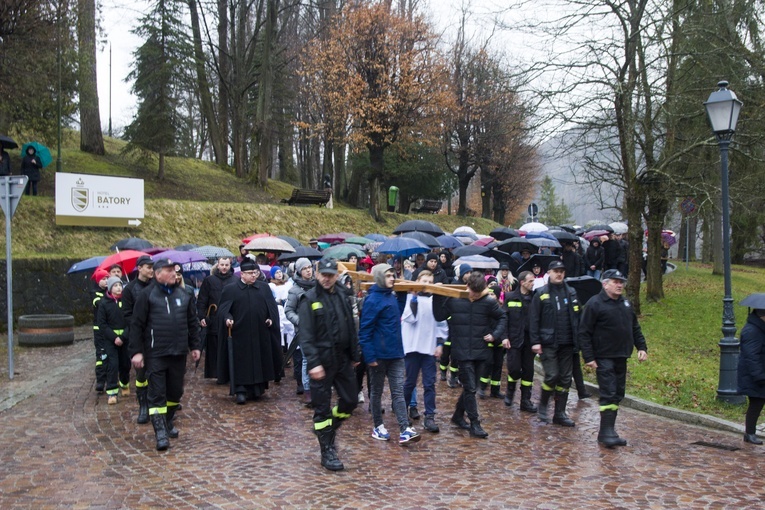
{"points": [[476, 430], [560, 417], [171, 430], [526, 403], [414, 414], [607, 434], [752, 438], [328, 454], [142, 395], [495, 391], [481, 391], [443, 375], [510, 393], [544, 400], [459, 420], [160, 430], [453, 381]]}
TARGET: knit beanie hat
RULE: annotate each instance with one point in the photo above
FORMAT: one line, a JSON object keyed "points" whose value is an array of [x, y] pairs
{"points": [[99, 274], [113, 280], [431, 256], [301, 264], [464, 269], [274, 270], [379, 271]]}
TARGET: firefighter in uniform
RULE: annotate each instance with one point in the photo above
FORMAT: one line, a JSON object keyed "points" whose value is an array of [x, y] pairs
{"points": [[100, 276], [553, 327], [520, 357], [163, 331], [330, 346], [608, 333]]}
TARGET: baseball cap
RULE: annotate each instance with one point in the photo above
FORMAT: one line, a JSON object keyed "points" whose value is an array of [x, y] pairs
{"points": [[613, 274], [143, 259], [556, 264], [163, 262], [328, 266]]}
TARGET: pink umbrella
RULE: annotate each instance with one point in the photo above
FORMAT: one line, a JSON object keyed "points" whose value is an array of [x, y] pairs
{"points": [[338, 237], [592, 234], [485, 241]]}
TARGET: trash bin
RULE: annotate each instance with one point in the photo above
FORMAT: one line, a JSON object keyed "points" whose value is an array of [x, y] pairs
{"points": [[46, 330], [392, 197]]}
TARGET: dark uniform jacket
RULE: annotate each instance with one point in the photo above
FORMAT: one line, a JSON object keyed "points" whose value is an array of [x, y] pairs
{"points": [[751, 362], [97, 294], [130, 293], [542, 315], [164, 323], [111, 321], [517, 305], [609, 329], [319, 327], [469, 321]]}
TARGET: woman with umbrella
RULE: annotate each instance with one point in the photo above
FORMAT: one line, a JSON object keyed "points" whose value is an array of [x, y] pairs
{"points": [[30, 166]]}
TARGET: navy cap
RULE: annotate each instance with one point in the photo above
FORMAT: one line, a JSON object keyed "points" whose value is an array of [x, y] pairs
{"points": [[163, 262], [144, 259], [613, 274], [556, 264], [328, 266]]}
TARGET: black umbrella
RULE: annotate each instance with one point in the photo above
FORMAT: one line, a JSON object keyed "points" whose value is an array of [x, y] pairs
{"points": [[467, 251], [586, 287], [301, 251], [503, 258], [563, 236], [600, 226], [568, 228], [6, 142], [186, 247], [131, 243], [504, 233], [516, 244], [424, 238], [293, 242], [542, 260], [419, 226]]}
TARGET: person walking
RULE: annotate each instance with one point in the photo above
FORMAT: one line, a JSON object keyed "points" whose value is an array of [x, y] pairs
{"points": [[114, 328], [208, 301], [447, 360], [520, 357], [303, 281], [101, 277], [423, 337], [594, 259], [130, 293], [383, 349], [474, 322], [163, 331], [553, 328], [751, 364], [608, 333], [330, 346]]}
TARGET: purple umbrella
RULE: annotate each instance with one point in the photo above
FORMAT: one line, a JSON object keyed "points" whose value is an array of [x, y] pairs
{"points": [[181, 257]]}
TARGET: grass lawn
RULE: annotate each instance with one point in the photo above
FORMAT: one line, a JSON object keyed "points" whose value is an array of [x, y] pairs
{"points": [[682, 332]]}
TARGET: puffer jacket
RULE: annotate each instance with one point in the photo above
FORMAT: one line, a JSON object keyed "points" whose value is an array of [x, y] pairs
{"points": [[751, 362], [111, 320], [380, 326], [542, 316], [469, 321]]}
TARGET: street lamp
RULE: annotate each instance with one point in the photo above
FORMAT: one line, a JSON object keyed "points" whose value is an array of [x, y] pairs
{"points": [[723, 108]]}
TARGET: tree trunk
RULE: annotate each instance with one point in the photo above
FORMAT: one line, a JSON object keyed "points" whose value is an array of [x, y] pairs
{"points": [[634, 205], [377, 166], [161, 171], [354, 186], [264, 114], [91, 137], [204, 87], [499, 203], [223, 80], [464, 181], [486, 187], [341, 179]]}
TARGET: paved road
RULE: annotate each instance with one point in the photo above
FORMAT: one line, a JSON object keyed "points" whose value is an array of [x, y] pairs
{"points": [[64, 447]]}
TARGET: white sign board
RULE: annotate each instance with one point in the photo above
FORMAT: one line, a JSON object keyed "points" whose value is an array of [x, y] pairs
{"points": [[99, 201]]}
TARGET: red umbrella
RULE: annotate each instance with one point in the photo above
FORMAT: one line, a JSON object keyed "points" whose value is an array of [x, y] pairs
{"points": [[126, 259], [338, 237], [254, 236], [485, 241], [592, 234]]}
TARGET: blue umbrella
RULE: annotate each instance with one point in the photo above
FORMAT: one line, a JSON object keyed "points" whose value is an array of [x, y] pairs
{"points": [[449, 241], [377, 237], [180, 257], [42, 152], [402, 247], [87, 265]]}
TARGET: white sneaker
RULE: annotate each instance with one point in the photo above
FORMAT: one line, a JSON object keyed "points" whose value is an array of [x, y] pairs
{"points": [[381, 433], [361, 397]]}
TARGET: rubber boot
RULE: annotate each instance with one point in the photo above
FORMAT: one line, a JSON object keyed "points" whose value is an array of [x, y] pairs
{"points": [[328, 454], [443, 375], [476, 430], [607, 435], [171, 430], [510, 393], [459, 420], [308, 402], [526, 403], [453, 381], [142, 395], [160, 430], [578, 377], [481, 391], [560, 417], [544, 400], [496, 391]]}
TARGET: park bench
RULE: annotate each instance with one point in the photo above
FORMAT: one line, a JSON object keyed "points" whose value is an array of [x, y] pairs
{"points": [[429, 206], [309, 197]]}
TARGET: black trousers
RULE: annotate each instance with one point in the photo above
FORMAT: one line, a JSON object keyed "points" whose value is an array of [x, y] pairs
{"points": [[446, 352], [557, 362], [492, 370], [342, 377], [98, 343], [165, 375], [612, 381], [467, 403], [753, 413], [211, 355], [117, 366], [520, 363]]}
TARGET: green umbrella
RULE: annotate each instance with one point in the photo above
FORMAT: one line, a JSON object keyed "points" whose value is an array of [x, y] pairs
{"points": [[42, 152], [343, 251], [359, 240]]}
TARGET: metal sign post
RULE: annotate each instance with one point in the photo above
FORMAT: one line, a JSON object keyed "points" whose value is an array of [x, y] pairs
{"points": [[10, 194], [688, 208], [533, 211]]}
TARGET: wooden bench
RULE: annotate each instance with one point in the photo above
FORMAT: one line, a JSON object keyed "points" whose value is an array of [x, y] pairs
{"points": [[309, 197], [429, 206]]}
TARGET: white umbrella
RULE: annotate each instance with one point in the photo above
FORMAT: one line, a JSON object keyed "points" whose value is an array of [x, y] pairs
{"points": [[477, 262], [619, 227], [269, 244], [464, 229], [534, 226]]}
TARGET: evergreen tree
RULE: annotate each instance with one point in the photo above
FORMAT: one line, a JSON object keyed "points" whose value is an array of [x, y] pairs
{"points": [[552, 211], [158, 81]]}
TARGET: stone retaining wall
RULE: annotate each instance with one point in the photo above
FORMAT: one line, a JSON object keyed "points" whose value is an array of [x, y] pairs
{"points": [[41, 286]]}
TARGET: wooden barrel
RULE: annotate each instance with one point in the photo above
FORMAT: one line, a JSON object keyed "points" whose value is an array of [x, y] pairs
{"points": [[46, 330]]}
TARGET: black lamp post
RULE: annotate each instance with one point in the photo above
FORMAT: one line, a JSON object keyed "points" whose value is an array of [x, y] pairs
{"points": [[723, 108]]}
